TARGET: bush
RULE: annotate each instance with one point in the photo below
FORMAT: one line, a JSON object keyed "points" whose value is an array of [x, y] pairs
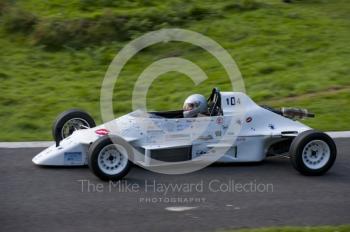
{"points": [[199, 13], [56, 33], [249, 4], [106, 27], [52, 34], [88, 4], [243, 5], [3, 7], [18, 20], [93, 4], [110, 26]]}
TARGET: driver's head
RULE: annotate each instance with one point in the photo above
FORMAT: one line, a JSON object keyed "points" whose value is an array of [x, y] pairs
{"points": [[194, 105]]}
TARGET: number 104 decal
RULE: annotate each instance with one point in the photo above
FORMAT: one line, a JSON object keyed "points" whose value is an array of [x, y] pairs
{"points": [[231, 101]]}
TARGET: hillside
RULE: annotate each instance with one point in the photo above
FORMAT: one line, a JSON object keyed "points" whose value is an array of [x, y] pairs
{"points": [[54, 55]]}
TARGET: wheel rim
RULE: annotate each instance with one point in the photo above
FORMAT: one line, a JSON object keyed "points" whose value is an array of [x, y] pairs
{"points": [[316, 154], [112, 159], [72, 125]]}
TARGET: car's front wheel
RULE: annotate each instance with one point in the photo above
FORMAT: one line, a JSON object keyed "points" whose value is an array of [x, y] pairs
{"points": [[313, 153], [109, 158], [69, 121]]}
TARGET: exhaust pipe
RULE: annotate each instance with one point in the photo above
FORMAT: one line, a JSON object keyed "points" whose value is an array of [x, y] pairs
{"points": [[296, 113]]}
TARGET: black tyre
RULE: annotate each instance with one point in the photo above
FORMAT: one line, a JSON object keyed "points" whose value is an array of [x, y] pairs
{"points": [[108, 158], [313, 153], [69, 121]]}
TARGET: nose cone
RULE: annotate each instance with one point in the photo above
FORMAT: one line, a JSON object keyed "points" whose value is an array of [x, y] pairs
{"points": [[50, 156], [67, 154], [41, 159], [35, 160], [71, 151]]}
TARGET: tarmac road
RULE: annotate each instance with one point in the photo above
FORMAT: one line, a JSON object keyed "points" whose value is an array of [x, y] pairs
{"points": [[234, 196]]}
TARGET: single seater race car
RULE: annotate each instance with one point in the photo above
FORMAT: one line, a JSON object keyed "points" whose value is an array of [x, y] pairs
{"points": [[234, 125]]}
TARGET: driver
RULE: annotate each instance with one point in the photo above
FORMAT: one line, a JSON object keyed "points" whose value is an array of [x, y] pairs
{"points": [[195, 106]]}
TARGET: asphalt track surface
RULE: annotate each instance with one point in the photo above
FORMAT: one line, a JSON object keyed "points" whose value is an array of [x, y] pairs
{"points": [[60, 199]]}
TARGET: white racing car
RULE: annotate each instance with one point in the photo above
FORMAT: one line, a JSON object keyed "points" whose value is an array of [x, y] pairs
{"points": [[231, 123]]}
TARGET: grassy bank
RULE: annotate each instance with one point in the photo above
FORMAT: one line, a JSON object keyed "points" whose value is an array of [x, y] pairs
{"points": [[289, 55]]}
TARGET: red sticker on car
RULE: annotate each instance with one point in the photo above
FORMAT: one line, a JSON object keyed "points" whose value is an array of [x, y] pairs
{"points": [[102, 132], [249, 119]]}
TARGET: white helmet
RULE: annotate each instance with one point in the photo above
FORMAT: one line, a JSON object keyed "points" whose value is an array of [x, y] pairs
{"points": [[194, 105]]}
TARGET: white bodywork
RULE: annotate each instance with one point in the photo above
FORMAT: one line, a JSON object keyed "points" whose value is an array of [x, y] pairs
{"points": [[259, 128]]}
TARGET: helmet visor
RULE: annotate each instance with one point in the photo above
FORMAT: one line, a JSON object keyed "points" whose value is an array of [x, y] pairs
{"points": [[190, 106]]}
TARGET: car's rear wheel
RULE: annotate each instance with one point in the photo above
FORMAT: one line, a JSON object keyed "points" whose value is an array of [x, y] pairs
{"points": [[70, 121], [313, 153], [109, 158]]}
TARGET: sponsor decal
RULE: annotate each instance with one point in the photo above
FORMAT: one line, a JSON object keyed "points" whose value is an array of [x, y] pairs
{"points": [[102, 132], [272, 127], [219, 121], [200, 152], [249, 119], [72, 158], [241, 139]]}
